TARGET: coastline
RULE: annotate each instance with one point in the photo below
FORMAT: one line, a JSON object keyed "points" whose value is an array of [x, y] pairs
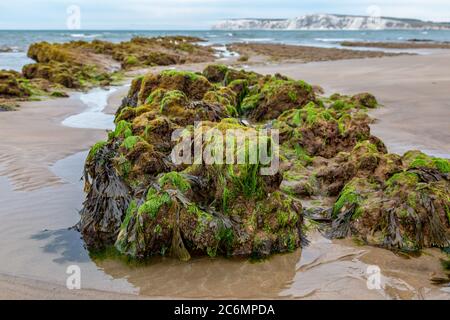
{"points": [[402, 84]]}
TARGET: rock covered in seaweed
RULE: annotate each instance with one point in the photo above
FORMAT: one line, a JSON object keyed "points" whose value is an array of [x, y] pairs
{"points": [[163, 207], [262, 98], [81, 64], [329, 159], [408, 211], [212, 209], [107, 197], [15, 87], [274, 96], [11, 85]]}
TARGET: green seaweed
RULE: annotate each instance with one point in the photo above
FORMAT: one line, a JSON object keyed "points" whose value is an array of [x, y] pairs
{"points": [[123, 129], [153, 203], [187, 74], [95, 148], [131, 141], [175, 179]]}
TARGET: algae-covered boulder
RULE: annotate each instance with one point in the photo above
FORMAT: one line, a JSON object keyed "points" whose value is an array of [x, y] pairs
{"points": [[210, 210], [54, 62], [360, 101], [45, 52], [272, 97], [330, 157], [81, 64], [11, 86], [146, 204], [215, 73], [56, 72], [410, 211], [192, 84], [322, 131], [15, 87], [366, 100]]}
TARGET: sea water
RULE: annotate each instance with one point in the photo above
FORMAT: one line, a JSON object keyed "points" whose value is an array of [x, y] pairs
{"points": [[19, 41], [93, 117]]}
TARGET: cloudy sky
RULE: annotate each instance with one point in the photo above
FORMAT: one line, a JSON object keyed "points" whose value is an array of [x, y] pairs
{"points": [[196, 14]]}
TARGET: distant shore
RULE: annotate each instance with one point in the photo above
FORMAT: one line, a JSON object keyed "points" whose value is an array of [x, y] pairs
{"points": [[301, 54], [413, 44]]}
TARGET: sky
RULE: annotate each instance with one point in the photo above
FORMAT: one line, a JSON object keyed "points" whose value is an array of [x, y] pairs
{"points": [[196, 14]]}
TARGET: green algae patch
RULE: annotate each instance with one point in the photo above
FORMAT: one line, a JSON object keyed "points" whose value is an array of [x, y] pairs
{"points": [[274, 96], [172, 98], [175, 179], [417, 159], [153, 203], [130, 142], [123, 129], [187, 74], [95, 148], [402, 178]]}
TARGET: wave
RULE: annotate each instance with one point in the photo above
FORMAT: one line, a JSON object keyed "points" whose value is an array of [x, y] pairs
{"points": [[257, 39], [337, 39], [223, 52], [86, 36], [10, 49]]}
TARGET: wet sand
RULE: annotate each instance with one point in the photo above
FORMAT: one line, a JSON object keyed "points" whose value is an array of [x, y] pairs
{"points": [[34, 138], [14, 288], [302, 54], [413, 89], [398, 45], [41, 194]]}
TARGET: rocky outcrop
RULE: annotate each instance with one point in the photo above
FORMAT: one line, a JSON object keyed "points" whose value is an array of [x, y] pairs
{"points": [[81, 64], [143, 203], [11, 85]]}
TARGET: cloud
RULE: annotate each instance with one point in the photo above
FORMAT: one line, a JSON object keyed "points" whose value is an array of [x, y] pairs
{"points": [[197, 14]]}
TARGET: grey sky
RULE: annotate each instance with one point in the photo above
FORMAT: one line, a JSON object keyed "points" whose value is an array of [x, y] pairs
{"points": [[196, 14]]}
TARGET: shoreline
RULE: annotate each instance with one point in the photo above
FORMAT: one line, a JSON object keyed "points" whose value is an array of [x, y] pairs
{"points": [[35, 129]]}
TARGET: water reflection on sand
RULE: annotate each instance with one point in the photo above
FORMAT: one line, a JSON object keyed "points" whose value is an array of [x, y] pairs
{"points": [[37, 244]]}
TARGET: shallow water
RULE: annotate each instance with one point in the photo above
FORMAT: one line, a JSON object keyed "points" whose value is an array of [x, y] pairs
{"points": [[93, 117], [34, 234], [21, 39]]}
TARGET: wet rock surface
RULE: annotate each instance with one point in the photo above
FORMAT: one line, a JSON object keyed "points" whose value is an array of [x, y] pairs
{"points": [[332, 170], [80, 64]]}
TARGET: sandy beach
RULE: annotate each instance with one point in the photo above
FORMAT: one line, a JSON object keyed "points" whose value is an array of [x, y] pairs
{"points": [[37, 139], [40, 157], [412, 89]]}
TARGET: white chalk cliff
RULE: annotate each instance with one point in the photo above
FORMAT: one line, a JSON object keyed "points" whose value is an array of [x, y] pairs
{"points": [[328, 22]]}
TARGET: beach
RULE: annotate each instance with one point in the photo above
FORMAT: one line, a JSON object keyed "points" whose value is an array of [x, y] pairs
{"points": [[42, 159], [412, 89]]}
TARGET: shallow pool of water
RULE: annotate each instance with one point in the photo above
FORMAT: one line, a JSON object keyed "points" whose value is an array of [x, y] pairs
{"points": [[93, 117]]}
